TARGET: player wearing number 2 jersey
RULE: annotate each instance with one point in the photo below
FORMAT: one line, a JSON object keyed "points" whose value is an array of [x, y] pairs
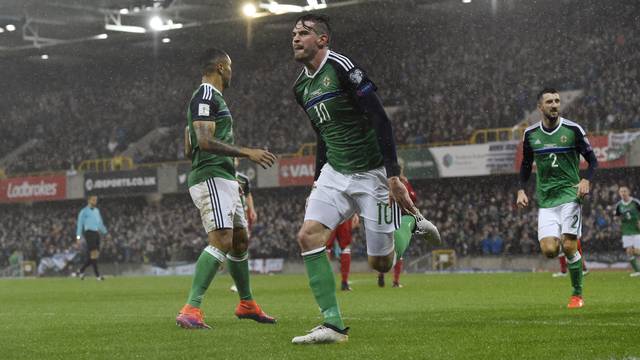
{"points": [[555, 144]]}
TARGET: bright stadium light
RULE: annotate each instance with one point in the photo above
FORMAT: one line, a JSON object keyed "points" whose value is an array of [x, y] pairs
{"points": [[10, 27], [102, 36], [466, 1], [125, 28], [44, 56], [249, 10], [124, 11], [166, 40], [155, 23], [1, 30]]}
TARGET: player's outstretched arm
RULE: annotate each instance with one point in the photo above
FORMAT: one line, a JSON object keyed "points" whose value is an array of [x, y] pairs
{"points": [[205, 133]]}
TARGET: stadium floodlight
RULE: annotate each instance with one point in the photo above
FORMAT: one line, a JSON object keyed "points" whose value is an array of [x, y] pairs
{"points": [[249, 10], [155, 23], [1, 30], [166, 40], [466, 1], [44, 57], [124, 11], [10, 27], [101, 36]]}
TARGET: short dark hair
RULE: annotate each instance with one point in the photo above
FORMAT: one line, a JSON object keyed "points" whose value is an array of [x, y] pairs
{"points": [[547, 90], [210, 58], [322, 23]]}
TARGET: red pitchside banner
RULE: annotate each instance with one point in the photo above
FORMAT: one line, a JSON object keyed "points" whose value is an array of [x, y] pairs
{"points": [[296, 170], [37, 188], [600, 145]]}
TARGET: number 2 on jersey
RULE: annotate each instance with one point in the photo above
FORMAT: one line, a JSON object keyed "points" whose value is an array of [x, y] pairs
{"points": [[322, 112], [554, 162]]}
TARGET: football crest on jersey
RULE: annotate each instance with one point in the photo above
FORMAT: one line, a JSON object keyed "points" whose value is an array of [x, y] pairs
{"points": [[326, 81], [563, 139]]}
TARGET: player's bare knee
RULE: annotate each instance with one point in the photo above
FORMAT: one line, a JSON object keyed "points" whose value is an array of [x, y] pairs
{"points": [[569, 244], [381, 263], [312, 235], [550, 247], [630, 251], [240, 241], [221, 239]]}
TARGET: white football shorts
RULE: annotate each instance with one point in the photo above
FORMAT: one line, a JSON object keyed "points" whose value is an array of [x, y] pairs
{"points": [[562, 219], [336, 197], [219, 203]]}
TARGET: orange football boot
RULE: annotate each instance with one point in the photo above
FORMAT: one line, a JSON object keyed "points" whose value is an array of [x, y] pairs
{"points": [[249, 309], [575, 302], [191, 317]]}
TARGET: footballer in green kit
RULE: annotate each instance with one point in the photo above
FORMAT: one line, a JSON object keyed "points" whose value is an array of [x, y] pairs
{"points": [[357, 169], [555, 144], [213, 187], [628, 209]]}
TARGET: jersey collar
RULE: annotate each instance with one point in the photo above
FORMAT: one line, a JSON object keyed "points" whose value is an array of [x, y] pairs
{"points": [[306, 71], [214, 88], [554, 130]]}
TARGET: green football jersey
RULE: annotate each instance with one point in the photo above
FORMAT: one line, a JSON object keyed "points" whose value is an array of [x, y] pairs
{"points": [[328, 99], [630, 213], [207, 104], [556, 153]]}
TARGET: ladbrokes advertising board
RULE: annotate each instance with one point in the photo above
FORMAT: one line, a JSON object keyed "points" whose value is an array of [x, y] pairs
{"points": [[141, 181], [37, 188]]}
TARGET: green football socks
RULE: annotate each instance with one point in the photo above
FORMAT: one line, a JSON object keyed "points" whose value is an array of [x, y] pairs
{"points": [[323, 285], [575, 271], [402, 236], [634, 264], [206, 268], [239, 270]]}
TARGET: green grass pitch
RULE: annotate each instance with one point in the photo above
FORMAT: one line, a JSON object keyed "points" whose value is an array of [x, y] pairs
{"points": [[448, 316]]}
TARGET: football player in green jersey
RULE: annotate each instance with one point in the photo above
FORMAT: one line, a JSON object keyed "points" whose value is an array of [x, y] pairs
{"points": [[356, 168], [209, 143], [555, 144], [628, 209]]}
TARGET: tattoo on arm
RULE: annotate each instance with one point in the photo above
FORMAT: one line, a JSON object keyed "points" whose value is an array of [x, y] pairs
{"points": [[205, 132]]}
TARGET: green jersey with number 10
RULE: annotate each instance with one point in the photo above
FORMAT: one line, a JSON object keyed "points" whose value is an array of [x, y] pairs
{"points": [[328, 99]]}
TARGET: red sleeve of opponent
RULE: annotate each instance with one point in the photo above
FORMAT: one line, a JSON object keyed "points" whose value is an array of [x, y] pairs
{"points": [[412, 192]]}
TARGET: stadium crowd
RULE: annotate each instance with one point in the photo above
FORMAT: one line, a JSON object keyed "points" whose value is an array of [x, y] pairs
{"points": [[169, 230], [448, 78]]}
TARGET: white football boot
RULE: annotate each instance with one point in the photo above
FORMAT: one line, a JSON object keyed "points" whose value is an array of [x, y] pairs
{"points": [[321, 335]]}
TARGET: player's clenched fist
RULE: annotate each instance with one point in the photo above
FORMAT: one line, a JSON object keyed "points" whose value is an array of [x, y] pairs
{"points": [[261, 157], [523, 200]]}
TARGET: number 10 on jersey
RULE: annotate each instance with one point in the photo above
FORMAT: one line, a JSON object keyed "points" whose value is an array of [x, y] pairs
{"points": [[322, 112]]}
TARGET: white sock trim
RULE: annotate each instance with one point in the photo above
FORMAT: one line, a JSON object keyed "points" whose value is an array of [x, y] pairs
{"points": [[216, 253], [575, 258], [347, 251], [314, 251], [237, 259]]}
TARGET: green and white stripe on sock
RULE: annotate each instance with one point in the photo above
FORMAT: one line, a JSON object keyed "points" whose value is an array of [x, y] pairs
{"points": [[634, 264]]}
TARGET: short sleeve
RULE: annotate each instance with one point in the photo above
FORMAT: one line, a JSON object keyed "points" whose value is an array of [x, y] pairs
{"points": [[203, 104]]}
